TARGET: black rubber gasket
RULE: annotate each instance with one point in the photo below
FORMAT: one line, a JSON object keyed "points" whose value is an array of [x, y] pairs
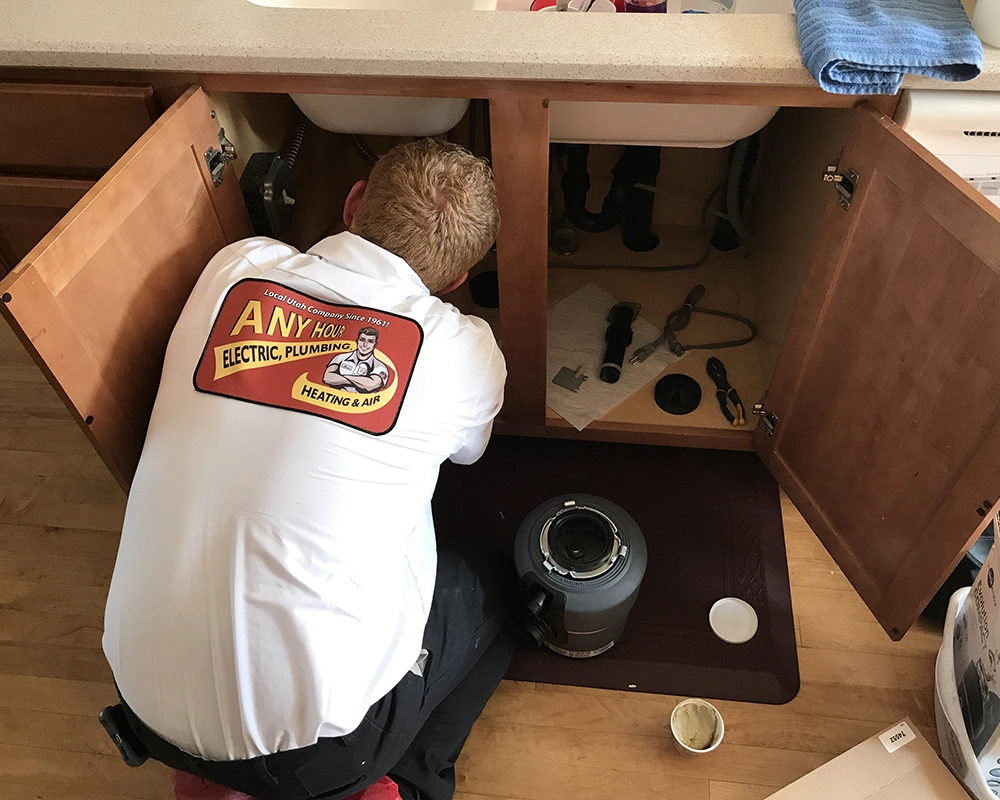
{"points": [[677, 394]]}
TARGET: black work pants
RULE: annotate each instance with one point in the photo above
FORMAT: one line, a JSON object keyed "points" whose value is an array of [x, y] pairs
{"points": [[416, 732]]}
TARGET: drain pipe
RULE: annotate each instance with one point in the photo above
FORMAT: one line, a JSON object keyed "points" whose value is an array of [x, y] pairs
{"points": [[733, 189]]}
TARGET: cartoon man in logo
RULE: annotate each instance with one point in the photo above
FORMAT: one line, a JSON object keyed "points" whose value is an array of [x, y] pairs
{"points": [[359, 370]]}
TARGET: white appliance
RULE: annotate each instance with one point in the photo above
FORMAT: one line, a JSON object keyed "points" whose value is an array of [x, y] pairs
{"points": [[961, 128]]}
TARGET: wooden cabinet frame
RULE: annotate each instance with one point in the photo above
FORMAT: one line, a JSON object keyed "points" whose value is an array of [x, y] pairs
{"points": [[895, 565]]}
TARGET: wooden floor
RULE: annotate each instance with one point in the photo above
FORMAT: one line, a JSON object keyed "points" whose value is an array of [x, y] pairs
{"points": [[60, 513]]}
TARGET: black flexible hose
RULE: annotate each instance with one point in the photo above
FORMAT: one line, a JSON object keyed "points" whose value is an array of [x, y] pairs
{"points": [[296, 143], [368, 155]]}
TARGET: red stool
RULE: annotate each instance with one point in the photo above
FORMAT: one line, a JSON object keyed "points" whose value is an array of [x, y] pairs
{"points": [[188, 787]]}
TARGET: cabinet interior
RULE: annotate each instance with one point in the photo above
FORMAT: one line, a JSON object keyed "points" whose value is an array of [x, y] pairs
{"points": [[759, 279]]}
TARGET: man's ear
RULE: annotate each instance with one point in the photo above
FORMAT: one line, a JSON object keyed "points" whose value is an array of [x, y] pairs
{"points": [[454, 284], [353, 202]]}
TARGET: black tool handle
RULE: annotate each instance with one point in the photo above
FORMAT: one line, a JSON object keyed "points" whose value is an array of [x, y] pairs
{"points": [[132, 751], [717, 372]]}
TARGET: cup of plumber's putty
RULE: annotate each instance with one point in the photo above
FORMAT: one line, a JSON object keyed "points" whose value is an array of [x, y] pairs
{"points": [[696, 726]]}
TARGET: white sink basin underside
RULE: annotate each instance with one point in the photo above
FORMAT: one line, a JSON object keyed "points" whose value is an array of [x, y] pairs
{"points": [[386, 116], [666, 125]]}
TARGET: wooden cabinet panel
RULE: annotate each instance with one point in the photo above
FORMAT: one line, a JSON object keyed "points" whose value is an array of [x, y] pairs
{"points": [[888, 429], [68, 129], [97, 298], [520, 154], [29, 209]]}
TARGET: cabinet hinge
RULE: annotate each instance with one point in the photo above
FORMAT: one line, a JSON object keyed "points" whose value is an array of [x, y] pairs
{"points": [[768, 418], [845, 183], [217, 159]]}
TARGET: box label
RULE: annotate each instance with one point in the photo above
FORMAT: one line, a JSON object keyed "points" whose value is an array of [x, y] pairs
{"points": [[896, 737]]}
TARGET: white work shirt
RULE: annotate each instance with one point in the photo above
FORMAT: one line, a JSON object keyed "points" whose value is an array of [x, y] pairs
{"points": [[276, 567]]}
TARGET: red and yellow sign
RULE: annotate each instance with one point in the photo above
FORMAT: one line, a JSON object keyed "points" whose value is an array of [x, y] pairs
{"points": [[278, 347]]}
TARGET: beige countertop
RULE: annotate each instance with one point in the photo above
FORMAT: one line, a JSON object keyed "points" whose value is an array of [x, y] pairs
{"points": [[235, 36]]}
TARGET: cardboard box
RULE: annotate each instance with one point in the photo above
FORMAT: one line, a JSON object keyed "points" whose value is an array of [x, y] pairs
{"points": [[897, 764], [977, 659]]}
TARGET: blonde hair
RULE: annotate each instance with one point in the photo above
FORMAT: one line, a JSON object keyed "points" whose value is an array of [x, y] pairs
{"points": [[433, 204]]}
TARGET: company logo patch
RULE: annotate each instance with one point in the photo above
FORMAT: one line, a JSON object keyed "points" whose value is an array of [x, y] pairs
{"points": [[278, 347]]}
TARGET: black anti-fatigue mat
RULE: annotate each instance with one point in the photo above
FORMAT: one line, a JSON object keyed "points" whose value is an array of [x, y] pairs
{"points": [[712, 525]]}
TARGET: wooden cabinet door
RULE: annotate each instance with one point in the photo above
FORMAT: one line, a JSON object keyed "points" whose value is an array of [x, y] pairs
{"points": [[95, 301], [886, 395]]}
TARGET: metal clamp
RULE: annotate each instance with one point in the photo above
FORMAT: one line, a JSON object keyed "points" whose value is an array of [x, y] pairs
{"points": [[845, 182], [217, 159], [769, 418]]}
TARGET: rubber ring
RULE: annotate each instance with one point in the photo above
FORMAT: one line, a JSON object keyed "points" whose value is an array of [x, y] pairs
{"points": [[677, 394]]}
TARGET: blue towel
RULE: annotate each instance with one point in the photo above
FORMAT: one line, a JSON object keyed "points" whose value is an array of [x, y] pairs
{"points": [[865, 46]]}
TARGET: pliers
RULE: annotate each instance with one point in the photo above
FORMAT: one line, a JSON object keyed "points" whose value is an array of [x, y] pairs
{"points": [[725, 393]]}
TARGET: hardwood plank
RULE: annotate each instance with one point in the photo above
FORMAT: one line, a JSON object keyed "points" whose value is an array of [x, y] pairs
{"points": [[58, 541], [43, 511], [650, 752], [60, 439], [460, 795], [816, 575], [48, 730], [48, 597], [915, 672], [848, 667], [84, 491], [47, 568], [864, 637], [30, 462], [865, 703], [55, 661], [800, 541], [811, 601], [37, 419], [32, 791], [22, 393], [60, 769], [32, 627], [793, 726], [508, 775], [33, 693], [726, 790]]}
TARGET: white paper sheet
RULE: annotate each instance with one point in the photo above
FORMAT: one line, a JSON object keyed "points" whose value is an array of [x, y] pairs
{"points": [[576, 329]]}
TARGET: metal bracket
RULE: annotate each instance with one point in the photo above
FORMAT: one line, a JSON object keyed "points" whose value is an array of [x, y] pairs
{"points": [[217, 159], [570, 379], [845, 182], [769, 419]]}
